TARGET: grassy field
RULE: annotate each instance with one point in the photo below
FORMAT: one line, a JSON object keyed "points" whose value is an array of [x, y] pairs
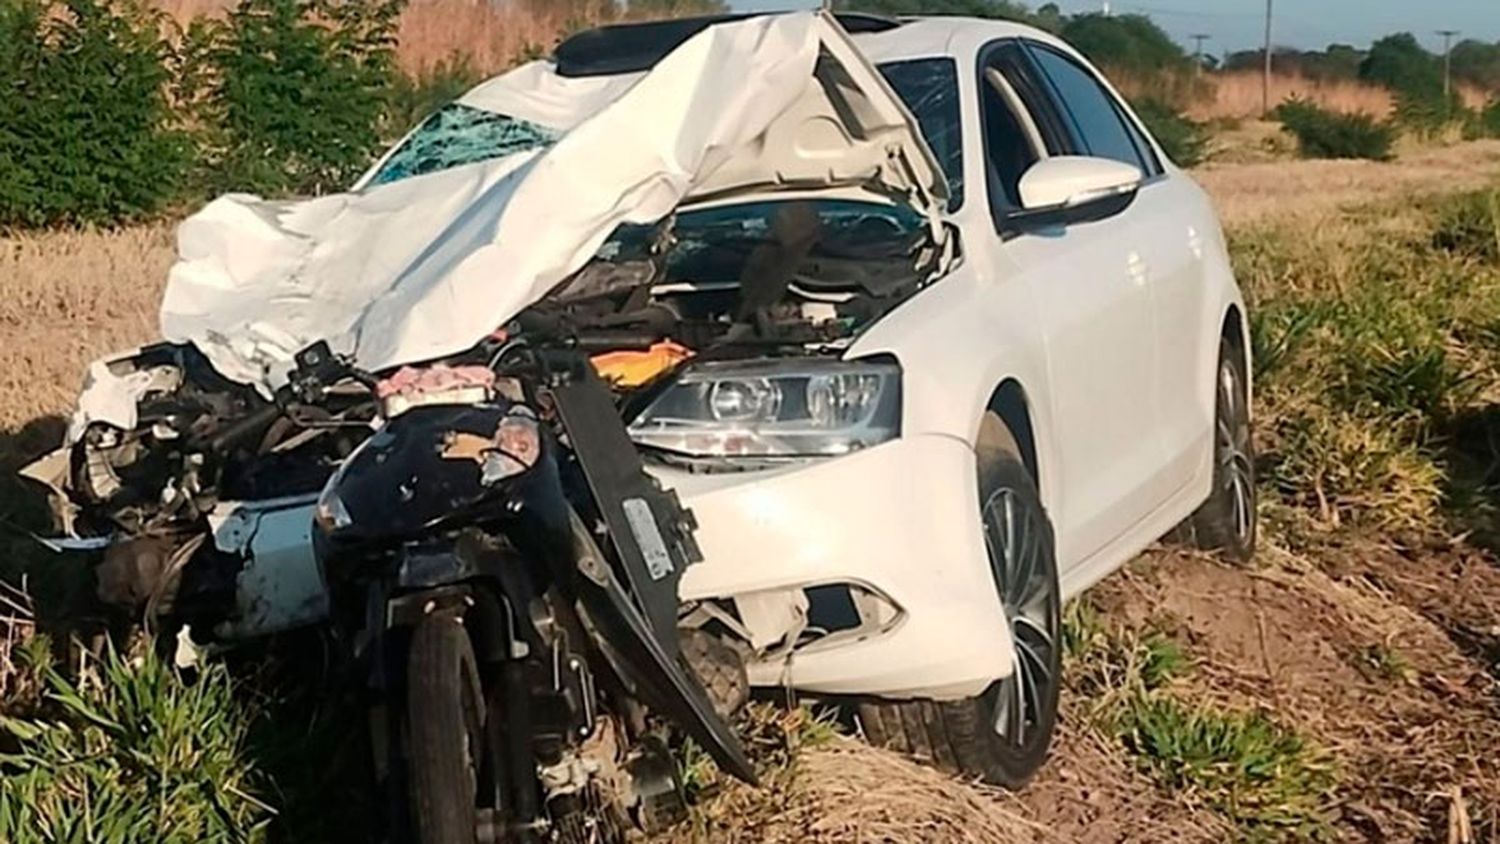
{"points": [[1344, 687]]}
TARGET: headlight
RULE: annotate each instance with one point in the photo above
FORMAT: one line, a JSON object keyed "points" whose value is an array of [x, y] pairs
{"points": [[774, 408]]}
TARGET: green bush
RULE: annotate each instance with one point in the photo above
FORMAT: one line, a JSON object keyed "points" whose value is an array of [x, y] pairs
{"points": [[412, 98], [292, 93], [1484, 123], [1185, 141], [86, 131], [1325, 134], [132, 754]]}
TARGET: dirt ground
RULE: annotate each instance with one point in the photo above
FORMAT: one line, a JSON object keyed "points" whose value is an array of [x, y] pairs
{"points": [[1306, 637]]}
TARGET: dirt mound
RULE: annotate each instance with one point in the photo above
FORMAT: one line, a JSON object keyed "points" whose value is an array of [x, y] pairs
{"points": [[1373, 674]]}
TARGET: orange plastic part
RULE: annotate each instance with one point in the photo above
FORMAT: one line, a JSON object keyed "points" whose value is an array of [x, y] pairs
{"points": [[634, 368]]}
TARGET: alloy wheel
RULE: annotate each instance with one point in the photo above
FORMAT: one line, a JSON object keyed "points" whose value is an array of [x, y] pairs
{"points": [[1028, 591], [1232, 447]]}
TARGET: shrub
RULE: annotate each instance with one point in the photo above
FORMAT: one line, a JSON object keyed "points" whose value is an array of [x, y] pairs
{"points": [[86, 131], [1485, 123], [132, 754], [1428, 115], [413, 97], [1325, 134], [1185, 141], [292, 92]]}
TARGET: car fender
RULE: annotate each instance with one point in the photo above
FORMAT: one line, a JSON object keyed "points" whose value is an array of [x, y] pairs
{"points": [[957, 342]]}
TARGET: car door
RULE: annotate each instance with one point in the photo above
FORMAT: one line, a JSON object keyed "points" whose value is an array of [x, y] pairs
{"points": [[1169, 237], [1091, 286]]}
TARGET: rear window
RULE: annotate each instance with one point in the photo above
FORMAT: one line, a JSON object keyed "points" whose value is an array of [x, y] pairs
{"points": [[456, 135], [929, 89]]}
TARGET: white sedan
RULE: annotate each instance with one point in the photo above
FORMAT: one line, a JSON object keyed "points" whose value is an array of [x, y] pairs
{"points": [[944, 340], [1076, 388]]}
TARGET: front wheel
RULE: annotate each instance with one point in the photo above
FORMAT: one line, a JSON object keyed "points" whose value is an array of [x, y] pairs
{"points": [[444, 731], [1002, 735]]}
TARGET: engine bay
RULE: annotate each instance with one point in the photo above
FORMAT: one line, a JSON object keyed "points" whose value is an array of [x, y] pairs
{"points": [[768, 291]]}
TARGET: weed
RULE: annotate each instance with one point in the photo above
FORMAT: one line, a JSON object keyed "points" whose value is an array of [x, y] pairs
{"points": [[773, 736], [1162, 658], [131, 752], [1469, 226], [1372, 339], [1111, 668], [1261, 776], [1387, 662]]}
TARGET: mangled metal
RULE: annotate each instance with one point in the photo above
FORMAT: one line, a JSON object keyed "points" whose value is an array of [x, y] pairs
{"points": [[431, 376], [413, 269]]}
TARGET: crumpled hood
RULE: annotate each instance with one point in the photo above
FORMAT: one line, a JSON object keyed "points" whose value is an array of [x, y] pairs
{"points": [[429, 265]]}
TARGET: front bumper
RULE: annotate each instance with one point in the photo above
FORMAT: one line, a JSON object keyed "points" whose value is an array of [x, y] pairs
{"points": [[902, 518]]}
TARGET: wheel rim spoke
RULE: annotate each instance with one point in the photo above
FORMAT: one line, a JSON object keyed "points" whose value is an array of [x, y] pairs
{"points": [[1018, 706], [1013, 537]]}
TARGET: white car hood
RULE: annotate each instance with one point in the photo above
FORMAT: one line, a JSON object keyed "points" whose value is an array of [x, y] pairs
{"points": [[428, 266]]}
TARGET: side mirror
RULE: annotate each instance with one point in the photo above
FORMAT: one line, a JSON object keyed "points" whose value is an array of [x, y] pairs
{"points": [[1074, 189]]}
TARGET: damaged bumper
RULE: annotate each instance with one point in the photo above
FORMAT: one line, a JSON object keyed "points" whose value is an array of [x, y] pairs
{"points": [[900, 524]]}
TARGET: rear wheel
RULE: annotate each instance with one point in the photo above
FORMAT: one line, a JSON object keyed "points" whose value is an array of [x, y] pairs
{"points": [[1226, 522], [444, 731], [1002, 735]]}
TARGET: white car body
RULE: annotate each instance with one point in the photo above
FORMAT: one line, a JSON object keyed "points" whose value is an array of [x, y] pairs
{"points": [[1095, 342], [1108, 332]]}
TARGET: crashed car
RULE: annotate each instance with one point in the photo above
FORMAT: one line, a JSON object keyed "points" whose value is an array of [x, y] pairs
{"points": [[913, 316]]}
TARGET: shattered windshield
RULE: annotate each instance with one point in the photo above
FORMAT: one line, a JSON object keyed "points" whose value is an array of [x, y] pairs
{"points": [[929, 89], [456, 135]]}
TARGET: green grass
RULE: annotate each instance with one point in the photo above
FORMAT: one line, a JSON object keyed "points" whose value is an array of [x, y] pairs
{"points": [[1260, 776], [1375, 336], [130, 752]]}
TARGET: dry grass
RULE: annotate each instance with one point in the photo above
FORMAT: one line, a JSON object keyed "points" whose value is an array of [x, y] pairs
{"points": [[491, 35], [1249, 193], [69, 297], [1238, 95], [846, 790]]}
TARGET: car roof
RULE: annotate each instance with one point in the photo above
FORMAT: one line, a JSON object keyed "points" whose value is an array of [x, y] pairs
{"points": [[637, 47]]}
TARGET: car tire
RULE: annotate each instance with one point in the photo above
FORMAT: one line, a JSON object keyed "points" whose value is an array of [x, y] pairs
{"points": [[1226, 522], [966, 736], [444, 731]]}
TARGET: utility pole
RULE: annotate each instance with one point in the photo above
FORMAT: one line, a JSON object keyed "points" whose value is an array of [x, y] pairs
{"points": [[1447, 71], [1198, 39], [1265, 83]]}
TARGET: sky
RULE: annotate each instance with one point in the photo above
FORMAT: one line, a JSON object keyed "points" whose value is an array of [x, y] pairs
{"points": [[1305, 24]]}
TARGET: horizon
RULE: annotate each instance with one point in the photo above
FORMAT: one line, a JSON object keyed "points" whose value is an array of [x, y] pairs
{"points": [[1235, 25]]}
